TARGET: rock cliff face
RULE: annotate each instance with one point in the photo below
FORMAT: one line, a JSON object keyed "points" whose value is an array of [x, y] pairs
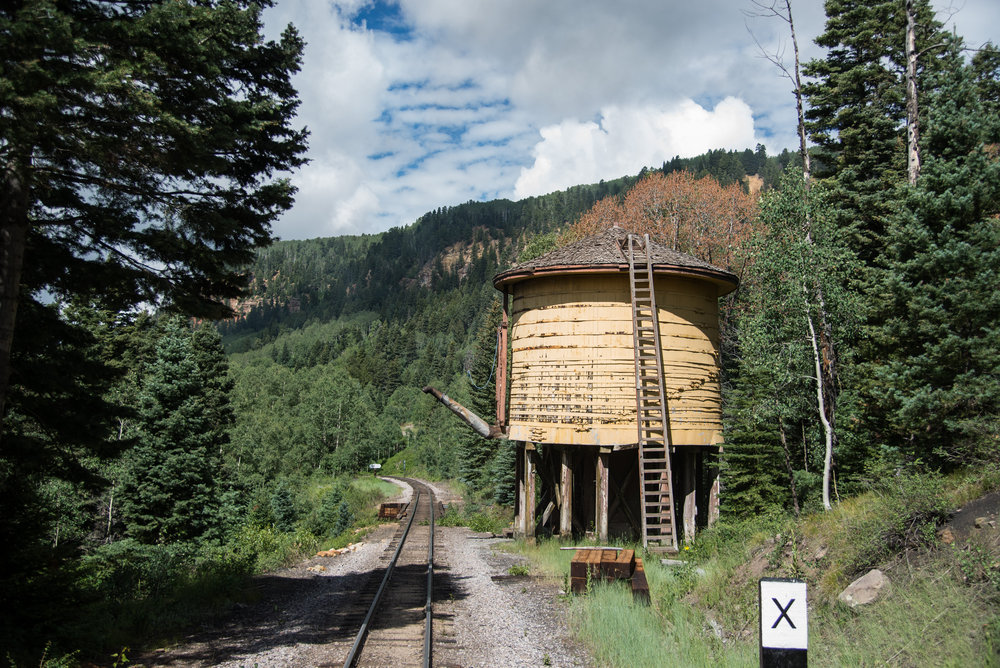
{"points": [[456, 258]]}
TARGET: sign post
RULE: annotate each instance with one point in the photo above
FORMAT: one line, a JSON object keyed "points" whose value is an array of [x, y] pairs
{"points": [[784, 627]]}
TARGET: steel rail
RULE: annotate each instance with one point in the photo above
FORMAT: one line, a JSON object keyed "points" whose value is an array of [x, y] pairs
{"points": [[430, 586], [359, 639]]}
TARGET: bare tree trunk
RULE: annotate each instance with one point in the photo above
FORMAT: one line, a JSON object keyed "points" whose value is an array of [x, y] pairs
{"points": [[821, 404], [111, 506], [788, 467], [797, 80], [912, 109], [13, 233], [825, 355]]}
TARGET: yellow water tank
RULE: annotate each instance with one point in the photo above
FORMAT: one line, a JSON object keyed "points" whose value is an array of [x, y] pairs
{"points": [[572, 376]]}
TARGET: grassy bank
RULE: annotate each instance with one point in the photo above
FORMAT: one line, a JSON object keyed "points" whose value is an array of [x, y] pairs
{"points": [[942, 606]]}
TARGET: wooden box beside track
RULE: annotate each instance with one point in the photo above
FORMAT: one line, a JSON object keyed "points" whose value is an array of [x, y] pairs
{"points": [[392, 511], [600, 564]]}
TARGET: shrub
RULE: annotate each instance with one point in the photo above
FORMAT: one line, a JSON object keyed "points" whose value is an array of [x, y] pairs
{"points": [[127, 569], [905, 514]]}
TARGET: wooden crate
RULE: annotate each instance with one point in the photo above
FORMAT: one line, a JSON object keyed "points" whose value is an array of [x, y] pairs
{"points": [[590, 564], [392, 511]]}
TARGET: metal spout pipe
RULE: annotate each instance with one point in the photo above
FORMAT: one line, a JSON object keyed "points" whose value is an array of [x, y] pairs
{"points": [[477, 423]]}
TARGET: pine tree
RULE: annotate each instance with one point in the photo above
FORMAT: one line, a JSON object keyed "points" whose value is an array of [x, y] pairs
{"points": [[502, 470], [141, 142], [213, 369], [476, 451], [941, 328], [857, 110], [283, 510], [170, 491]]}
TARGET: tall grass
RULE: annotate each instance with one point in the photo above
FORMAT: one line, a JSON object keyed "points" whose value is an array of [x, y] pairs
{"points": [[943, 605], [929, 618], [621, 632]]}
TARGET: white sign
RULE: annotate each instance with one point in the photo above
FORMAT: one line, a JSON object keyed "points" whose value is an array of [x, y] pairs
{"points": [[374, 466], [783, 614]]}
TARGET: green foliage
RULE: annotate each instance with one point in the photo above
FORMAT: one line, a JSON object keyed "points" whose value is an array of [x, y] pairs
{"points": [[502, 473], [283, 510], [476, 516], [938, 328], [540, 244], [773, 432], [156, 152], [729, 167], [334, 515], [127, 569], [170, 492], [328, 514], [476, 450], [321, 280], [856, 110]]}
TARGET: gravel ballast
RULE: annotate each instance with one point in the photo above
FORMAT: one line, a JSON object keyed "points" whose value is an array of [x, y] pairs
{"points": [[482, 615]]}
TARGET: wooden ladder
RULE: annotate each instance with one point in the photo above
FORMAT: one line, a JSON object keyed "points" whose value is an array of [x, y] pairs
{"points": [[655, 481]]}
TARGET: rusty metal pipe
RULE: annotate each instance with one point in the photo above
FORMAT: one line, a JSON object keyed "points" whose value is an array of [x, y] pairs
{"points": [[477, 423]]}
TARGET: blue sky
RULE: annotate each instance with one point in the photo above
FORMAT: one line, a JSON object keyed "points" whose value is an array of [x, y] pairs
{"points": [[417, 104]]}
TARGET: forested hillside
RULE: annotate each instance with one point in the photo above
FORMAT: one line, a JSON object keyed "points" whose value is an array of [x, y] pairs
{"points": [[358, 325]]}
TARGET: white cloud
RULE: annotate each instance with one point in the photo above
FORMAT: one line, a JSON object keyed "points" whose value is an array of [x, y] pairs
{"points": [[628, 139], [470, 100]]}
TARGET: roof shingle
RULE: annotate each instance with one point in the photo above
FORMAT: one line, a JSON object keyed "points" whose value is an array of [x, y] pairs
{"points": [[604, 252]]}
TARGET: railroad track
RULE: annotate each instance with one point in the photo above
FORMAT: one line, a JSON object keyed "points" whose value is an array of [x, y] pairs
{"points": [[391, 617]]}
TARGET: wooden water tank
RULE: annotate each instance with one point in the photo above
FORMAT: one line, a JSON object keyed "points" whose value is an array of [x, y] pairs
{"points": [[572, 366]]}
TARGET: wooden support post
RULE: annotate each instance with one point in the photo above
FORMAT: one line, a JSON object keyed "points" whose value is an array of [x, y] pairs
{"points": [[530, 462], [566, 495], [713, 490], [519, 498], [501, 361], [547, 513], [688, 463], [601, 505]]}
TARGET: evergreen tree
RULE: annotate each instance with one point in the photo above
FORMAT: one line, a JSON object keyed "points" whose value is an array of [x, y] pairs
{"points": [[283, 510], [857, 110], [502, 470], [476, 451], [940, 327], [213, 369], [170, 491], [140, 142]]}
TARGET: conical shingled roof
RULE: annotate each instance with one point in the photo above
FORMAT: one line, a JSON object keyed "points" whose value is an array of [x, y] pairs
{"points": [[603, 253]]}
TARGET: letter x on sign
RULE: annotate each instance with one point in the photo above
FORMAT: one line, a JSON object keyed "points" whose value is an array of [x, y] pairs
{"points": [[784, 613]]}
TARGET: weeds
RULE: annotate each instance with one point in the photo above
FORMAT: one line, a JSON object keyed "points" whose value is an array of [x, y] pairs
{"points": [[943, 605], [479, 518], [903, 514], [979, 565]]}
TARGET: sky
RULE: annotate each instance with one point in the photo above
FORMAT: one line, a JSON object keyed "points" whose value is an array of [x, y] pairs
{"points": [[417, 104]]}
